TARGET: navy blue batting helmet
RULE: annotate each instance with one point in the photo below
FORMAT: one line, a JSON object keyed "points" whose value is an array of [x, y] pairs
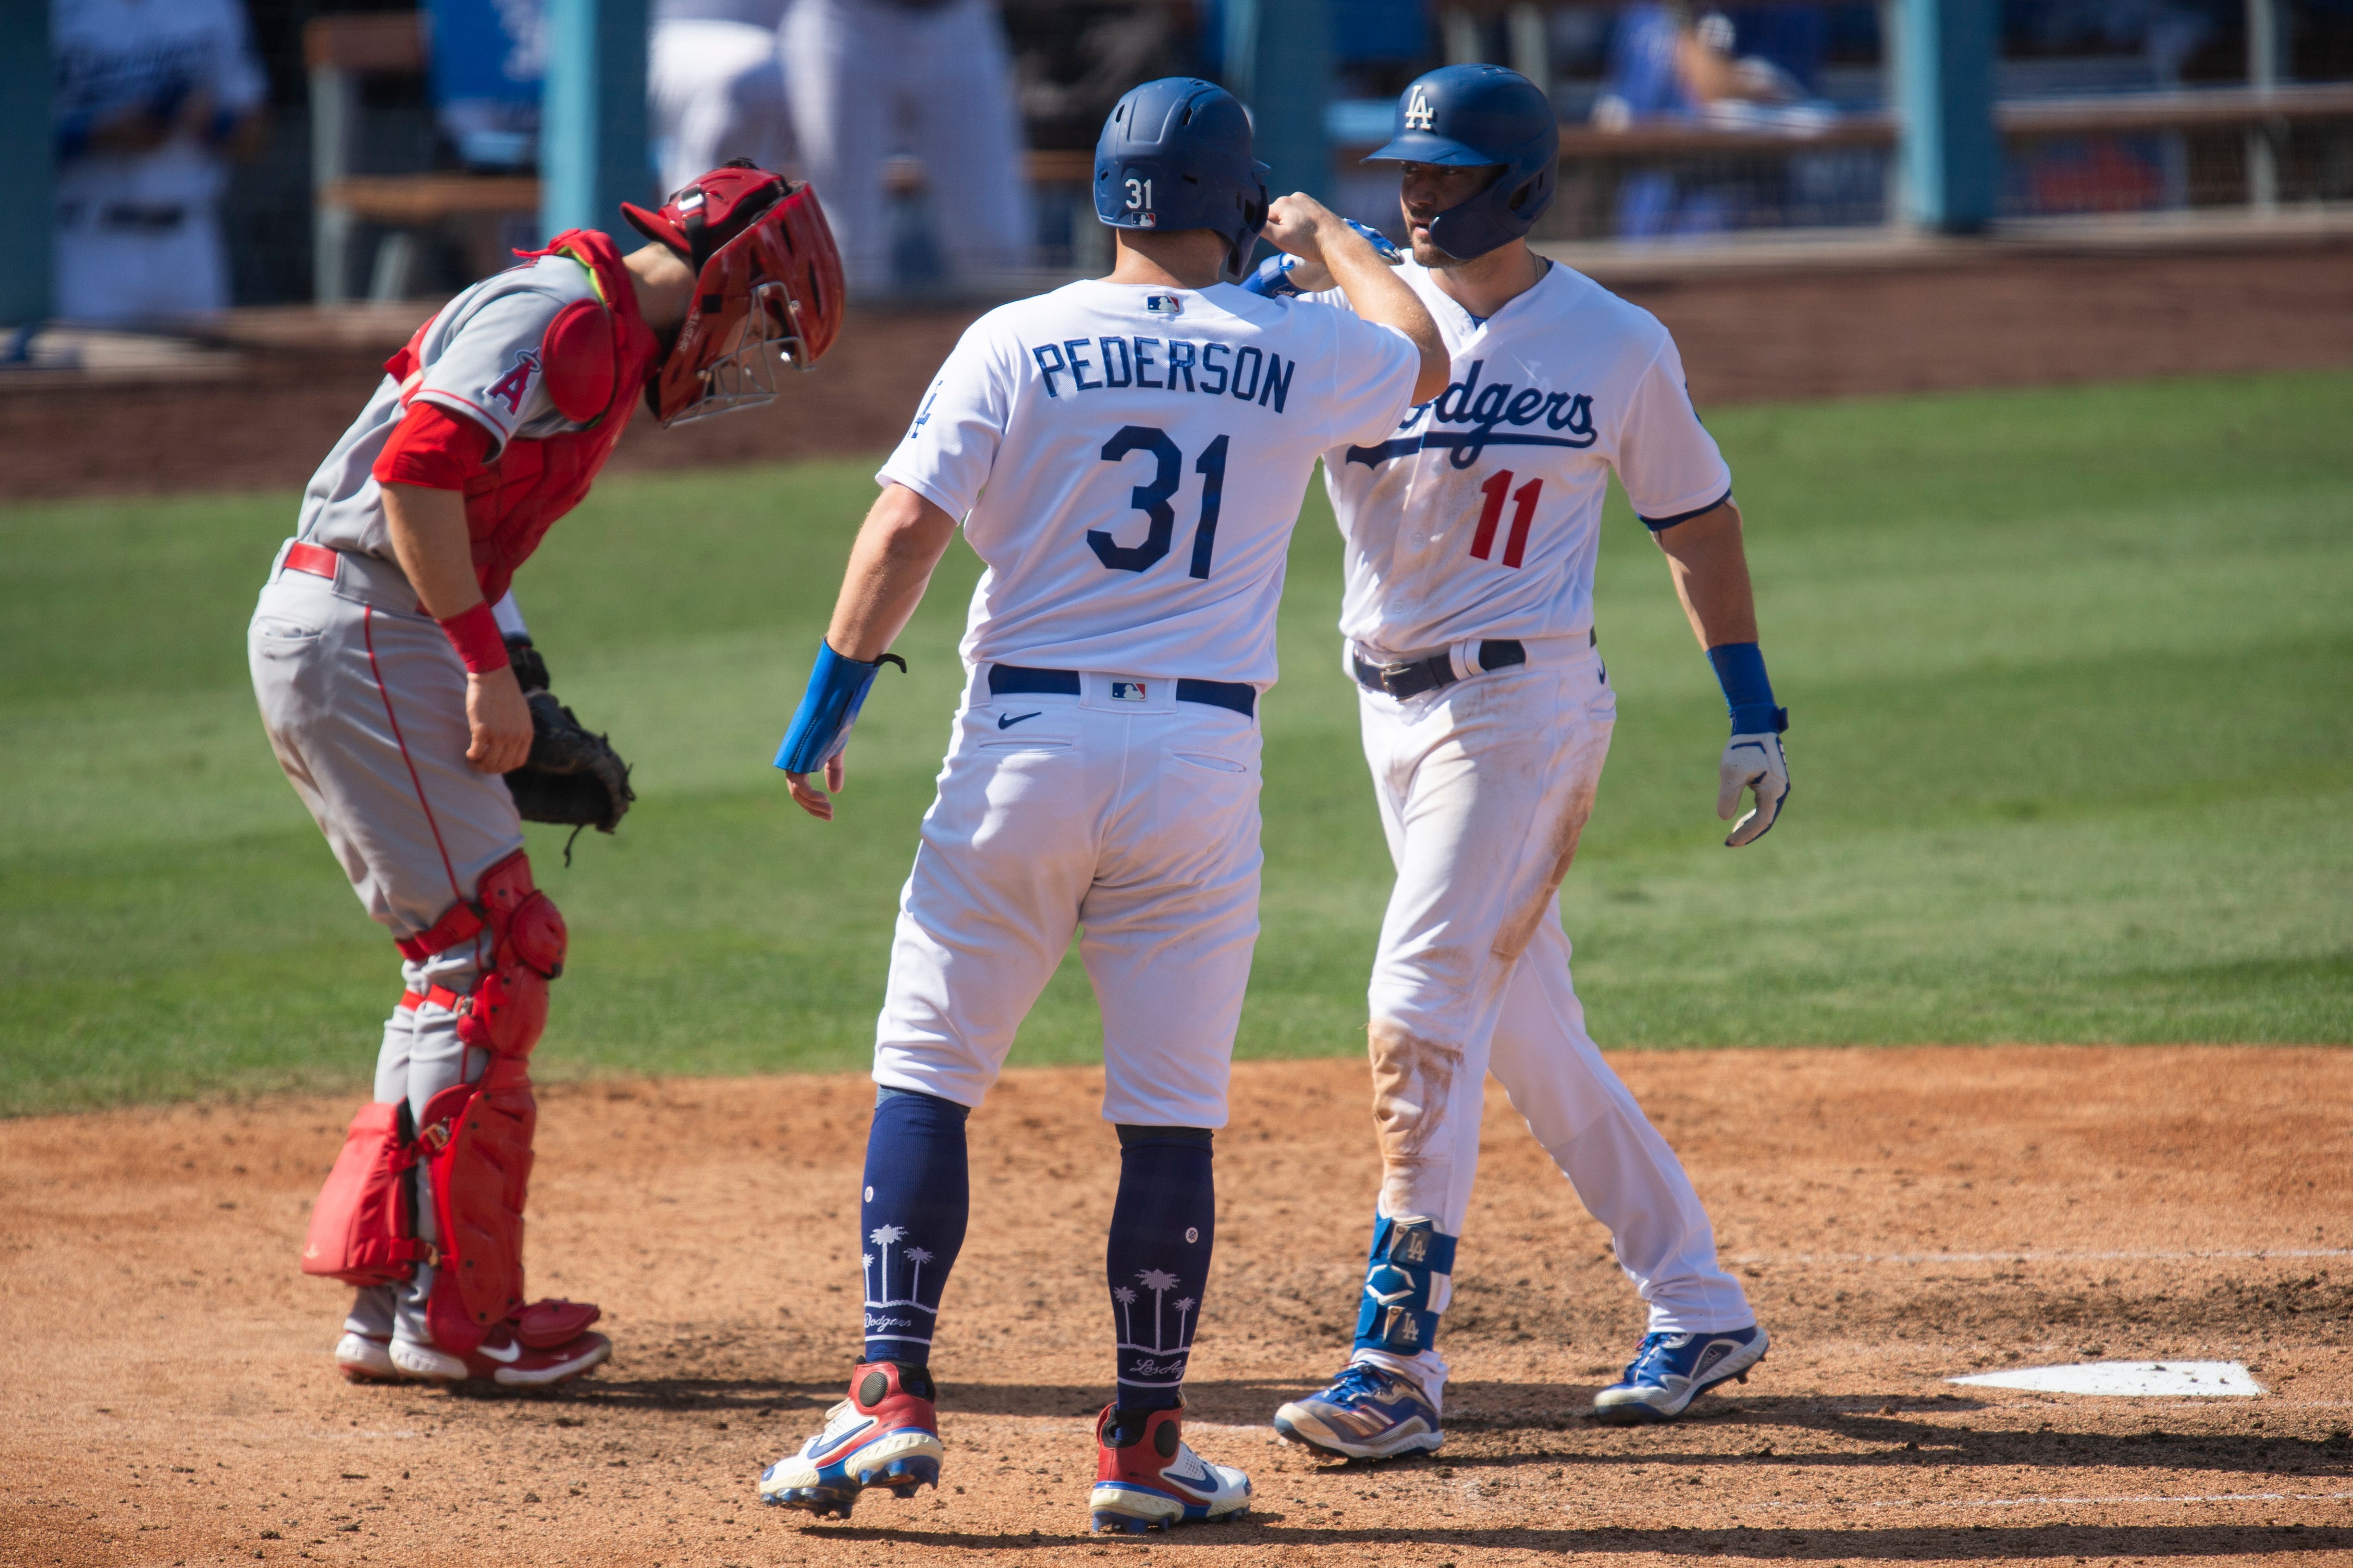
{"points": [[1477, 117], [1176, 154]]}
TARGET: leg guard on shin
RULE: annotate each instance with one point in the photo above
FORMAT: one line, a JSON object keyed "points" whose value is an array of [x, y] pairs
{"points": [[361, 1229], [478, 1136], [1398, 1313]]}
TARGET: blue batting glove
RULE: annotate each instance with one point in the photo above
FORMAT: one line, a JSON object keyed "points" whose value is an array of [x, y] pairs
{"points": [[836, 691], [1383, 247]]}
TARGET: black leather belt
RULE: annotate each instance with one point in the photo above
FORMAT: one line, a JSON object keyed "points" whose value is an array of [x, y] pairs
{"points": [[1009, 680], [1412, 677]]}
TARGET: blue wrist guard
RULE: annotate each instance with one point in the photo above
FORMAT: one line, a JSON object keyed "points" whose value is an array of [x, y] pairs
{"points": [[1740, 670], [836, 691], [1273, 278]]}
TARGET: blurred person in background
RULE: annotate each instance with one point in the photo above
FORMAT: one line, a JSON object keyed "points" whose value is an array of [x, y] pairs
{"points": [[152, 98], [870, 78], [715, 85], [1753, 67]]}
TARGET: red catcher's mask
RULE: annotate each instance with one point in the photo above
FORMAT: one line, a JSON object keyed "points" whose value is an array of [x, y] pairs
{"points": [[767, 289]]}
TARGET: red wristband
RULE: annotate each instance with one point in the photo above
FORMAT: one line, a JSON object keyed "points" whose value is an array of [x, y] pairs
{"points": [[475, 635]]}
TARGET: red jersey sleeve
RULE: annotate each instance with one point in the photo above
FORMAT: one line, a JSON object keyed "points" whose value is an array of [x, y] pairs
{"points": [[432, 448]]}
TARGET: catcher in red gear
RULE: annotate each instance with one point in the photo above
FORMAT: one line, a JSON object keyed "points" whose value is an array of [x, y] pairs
{"points": [[385, 652]]}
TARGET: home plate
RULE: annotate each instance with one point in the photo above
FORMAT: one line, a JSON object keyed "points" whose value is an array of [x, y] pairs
{"points": [[2148, 1379]]}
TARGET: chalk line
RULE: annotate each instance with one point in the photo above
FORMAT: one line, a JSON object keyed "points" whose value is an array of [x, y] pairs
{"points": [[2030, 1255]]}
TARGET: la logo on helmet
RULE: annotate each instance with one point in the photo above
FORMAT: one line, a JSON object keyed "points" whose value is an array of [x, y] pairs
{"points": [[1418, 115]]}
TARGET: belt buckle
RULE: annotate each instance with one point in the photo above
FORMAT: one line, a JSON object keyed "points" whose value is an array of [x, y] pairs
{"points": [[1393, 676]]}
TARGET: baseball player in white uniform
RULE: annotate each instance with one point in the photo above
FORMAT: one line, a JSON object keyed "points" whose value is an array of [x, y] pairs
{"points": [[151, 96], [715, 85], [1471, 535], [395, 705], [870, 78], [1129, 457]]}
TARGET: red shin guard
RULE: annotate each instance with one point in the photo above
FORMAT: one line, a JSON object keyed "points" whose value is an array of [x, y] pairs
{"points": [[360, 1228], [478, 1136]]}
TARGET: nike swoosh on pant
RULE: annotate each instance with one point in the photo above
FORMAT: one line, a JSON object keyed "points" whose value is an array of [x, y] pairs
{"points": [[1009, 720]]}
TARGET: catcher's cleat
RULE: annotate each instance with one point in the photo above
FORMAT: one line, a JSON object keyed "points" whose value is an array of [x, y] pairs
{"points": [[1366, 1413], [886, 1434], [367, 1358], [1147, 1476], [1669, 1371], [504, 1359]]}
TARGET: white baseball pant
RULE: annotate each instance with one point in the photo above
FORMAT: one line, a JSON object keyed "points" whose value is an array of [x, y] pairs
{"points": [[860, 70], [1134, 818], [716, 90], [365, 704], [1484, 788]]}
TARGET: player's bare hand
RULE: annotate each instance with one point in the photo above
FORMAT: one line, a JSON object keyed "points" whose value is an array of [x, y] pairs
{"points": [[811, 798], [1753, 764], [499, 720], [1302, 225]]}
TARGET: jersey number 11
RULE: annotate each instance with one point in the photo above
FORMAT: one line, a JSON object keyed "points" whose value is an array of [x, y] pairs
{"points": [[1524, 511]]}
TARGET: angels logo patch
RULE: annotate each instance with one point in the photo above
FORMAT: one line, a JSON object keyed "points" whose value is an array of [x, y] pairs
{"points": [[512, 387]]}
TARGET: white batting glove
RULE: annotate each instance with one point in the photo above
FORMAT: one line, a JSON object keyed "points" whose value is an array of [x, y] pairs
{"points": [[1752, 762]]}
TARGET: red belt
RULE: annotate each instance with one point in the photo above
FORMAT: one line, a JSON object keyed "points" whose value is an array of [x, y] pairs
{"points": [[316, 558], [441, 996]]}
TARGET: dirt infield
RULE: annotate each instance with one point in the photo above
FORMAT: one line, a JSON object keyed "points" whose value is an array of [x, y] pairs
{"points": [[2029, 318], [1901, 1216]]}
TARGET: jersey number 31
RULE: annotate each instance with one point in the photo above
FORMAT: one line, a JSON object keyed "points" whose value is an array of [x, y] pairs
{"points": [[1152, 500]]}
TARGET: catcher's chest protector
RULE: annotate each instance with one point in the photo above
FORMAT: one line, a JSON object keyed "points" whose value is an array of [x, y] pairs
{"points": [[513, 501]]}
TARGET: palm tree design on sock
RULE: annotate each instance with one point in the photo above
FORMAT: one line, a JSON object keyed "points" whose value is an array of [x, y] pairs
{"points": [[1126, 1299], [1159, 1282], [918, 1256], [866, 1267], [882, 1236], [1184, 1304]]}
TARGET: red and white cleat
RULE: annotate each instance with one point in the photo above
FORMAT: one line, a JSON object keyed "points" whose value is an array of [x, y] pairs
{"points": [[546, 1344], [504, 1359]]}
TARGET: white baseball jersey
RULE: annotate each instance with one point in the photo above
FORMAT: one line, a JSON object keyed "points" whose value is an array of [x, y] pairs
{"points": [[1162, 441], [480, 359], [1480, 515]]}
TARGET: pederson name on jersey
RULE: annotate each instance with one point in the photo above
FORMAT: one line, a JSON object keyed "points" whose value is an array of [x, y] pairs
{"points": [[1175, 365]]}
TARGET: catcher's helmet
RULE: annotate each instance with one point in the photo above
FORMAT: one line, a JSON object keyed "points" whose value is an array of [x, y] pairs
{"points": [[1480, 116], [767, 287], [1176, 154]]}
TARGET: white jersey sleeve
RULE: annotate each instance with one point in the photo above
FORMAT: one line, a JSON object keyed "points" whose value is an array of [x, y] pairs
{"points": [[947, 452], [1664, 455]]}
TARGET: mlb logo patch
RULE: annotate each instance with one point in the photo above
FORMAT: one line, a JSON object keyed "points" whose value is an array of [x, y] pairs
{"points": [[1163, 304], [1127, 692]]}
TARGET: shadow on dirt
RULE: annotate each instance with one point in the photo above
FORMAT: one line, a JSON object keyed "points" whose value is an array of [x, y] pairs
{"points": [[1970, 1542]]}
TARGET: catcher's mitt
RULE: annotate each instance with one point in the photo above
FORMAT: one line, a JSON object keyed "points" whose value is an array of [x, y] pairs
{"points": [[572, 774]]}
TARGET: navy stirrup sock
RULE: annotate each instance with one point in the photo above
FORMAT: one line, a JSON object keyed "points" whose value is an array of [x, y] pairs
{"points": [[1162, 1227], [911, 1219]]}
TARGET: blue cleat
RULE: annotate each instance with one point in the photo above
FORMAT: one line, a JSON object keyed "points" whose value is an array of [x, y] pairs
{"points": [[1669, 1371], [886, 1434], [1367, 1413]]}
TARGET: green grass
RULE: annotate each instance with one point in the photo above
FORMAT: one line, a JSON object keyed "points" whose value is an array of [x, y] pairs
{"points": [[2072, 671]]}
